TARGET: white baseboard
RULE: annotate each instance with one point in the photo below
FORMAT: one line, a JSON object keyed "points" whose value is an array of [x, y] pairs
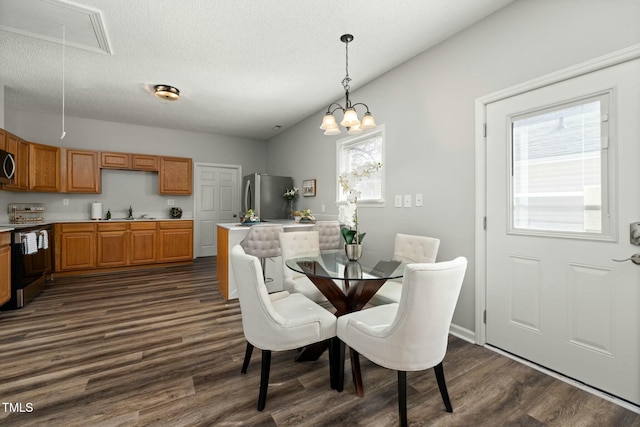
{"points": [[462, 333]]}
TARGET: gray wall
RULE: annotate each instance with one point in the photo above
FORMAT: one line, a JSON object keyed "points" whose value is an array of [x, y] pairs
{"points": [[123, 188], [427, 107]]}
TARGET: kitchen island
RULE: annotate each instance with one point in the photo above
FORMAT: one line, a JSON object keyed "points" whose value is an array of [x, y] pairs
{"points": [[231, 234]]}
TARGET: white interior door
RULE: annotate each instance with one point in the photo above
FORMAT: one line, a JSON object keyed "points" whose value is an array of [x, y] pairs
{"points": [[216, 200], [563, 188]]}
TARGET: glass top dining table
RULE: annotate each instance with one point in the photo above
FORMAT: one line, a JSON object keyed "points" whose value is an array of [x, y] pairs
{"points": [[348, 286], [360, 279]]}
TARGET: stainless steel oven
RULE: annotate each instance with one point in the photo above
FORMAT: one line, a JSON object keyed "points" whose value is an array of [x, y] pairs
{"points": [[31, 262]]}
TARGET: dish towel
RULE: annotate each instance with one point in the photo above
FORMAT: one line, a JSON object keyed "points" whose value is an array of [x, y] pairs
{"points": [[43, 239], [29, 243]]}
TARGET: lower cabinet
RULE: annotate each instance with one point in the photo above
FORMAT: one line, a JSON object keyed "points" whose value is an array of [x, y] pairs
{"points": [[5, 267], [144, 243], [175, 240], [87, 246], [113, 242], [75, 246]]}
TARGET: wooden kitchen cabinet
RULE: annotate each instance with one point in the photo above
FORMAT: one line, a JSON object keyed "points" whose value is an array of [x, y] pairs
{"points": [[3, 140], [5, 267], [113, 244], [75, 246], [144, 162], [175, 176], [128, 161], [20, 150], [82, 171], [44, 167], [175, 241], [144, 242], [110, 160]]}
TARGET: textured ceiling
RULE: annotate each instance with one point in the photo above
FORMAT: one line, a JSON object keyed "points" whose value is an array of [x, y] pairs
{"points": [[242, 66]]}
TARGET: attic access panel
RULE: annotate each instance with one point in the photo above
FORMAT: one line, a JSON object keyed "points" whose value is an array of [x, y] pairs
{"points": [[44, 19]]}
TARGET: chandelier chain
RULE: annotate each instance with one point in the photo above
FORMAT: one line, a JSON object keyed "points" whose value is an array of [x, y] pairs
{"points": [[347, 79]]}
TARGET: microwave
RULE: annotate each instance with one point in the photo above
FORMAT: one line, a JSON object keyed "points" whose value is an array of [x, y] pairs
{"points": [[7, 167]]}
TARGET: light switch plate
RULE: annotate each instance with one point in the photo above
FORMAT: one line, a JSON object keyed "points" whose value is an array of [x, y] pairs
{"points": [[171, 202], [398, 201], [407, 200], [418, 199]]}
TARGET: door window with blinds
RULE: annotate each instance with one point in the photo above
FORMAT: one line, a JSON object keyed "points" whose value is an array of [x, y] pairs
{"points": [[560, 170]]}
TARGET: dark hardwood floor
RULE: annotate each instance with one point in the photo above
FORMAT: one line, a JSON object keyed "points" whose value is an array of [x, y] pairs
{"points": [[161, 347]]}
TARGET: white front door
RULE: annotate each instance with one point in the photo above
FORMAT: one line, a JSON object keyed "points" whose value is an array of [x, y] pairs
{"points": [[562, 189], [217, 199]]}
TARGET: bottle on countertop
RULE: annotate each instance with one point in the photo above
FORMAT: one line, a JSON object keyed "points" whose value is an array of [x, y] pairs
{"points": [[108, 214]]}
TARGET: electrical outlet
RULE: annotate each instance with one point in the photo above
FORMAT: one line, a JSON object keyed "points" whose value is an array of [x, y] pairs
{"points": [[65, 202], [171, 202], [418, 199], [398, 201], [321, 208], [407, 200]]}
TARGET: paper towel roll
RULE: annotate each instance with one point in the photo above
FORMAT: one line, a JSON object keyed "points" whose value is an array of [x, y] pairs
{"points": [[96, 210]]}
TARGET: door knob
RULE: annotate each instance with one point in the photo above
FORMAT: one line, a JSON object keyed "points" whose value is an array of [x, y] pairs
{"points": [[635, 258]]}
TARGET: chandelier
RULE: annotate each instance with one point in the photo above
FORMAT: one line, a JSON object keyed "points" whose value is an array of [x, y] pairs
{"points": [[350, 118]]}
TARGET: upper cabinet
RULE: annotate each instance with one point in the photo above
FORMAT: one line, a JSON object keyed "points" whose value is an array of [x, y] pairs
{"points": [[82, 171], [115, 160], [48, 168], [127, 161], [44, 167], [175, 176], [144, 162]]}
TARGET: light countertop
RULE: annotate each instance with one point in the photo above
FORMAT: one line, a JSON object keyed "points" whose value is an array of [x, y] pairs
{"points": [[285, 223]]}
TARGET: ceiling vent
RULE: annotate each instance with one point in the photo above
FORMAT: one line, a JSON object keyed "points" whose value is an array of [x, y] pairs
{"points": [[44, 19]]}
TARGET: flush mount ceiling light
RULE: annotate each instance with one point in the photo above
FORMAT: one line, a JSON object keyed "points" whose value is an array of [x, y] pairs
{"points": [[167, 92], [350, 118]]}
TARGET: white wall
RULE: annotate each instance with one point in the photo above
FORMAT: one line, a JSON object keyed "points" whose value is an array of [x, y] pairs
{"points": [[427, 106], [123, 188]]}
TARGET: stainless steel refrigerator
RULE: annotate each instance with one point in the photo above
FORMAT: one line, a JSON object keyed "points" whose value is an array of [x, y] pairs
{"points": [[263, 193]]}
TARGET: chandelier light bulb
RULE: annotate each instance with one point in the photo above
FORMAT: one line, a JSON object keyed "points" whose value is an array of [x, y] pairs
{"points": [[350, 118], [328, 121], [368, 122], [333, 131]]}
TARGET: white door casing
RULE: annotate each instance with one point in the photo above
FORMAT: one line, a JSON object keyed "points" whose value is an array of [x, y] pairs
{"points": [[216, 201], [562, 302]]}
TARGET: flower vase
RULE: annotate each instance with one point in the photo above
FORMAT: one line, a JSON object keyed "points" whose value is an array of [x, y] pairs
{"points": [[353, 251]]}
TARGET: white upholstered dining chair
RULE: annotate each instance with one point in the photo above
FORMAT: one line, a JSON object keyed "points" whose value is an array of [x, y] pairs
{"points": [[413, 334], [275, 322], [329, 235], [410, 249], [299, 243]]}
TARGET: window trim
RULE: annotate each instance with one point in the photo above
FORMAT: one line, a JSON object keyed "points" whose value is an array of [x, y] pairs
{"points": [[354, 140]]}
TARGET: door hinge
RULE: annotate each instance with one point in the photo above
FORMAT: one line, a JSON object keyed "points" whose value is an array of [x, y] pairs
{"points": [[484, 130], [484, 317], [484, 223]]}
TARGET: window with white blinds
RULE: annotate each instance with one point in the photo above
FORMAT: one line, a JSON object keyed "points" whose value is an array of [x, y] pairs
{"points": [[560, 164]]}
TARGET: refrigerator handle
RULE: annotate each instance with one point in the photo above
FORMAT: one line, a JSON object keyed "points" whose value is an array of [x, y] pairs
{"points": [[247, 196]]}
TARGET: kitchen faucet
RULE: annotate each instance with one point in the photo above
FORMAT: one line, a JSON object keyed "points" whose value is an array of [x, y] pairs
{"points": [[130, 212]]}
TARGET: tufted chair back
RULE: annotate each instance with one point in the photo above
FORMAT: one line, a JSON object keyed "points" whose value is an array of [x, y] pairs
{"points": [[299, 243], [329, 234], [412, 249], [263, 241]]}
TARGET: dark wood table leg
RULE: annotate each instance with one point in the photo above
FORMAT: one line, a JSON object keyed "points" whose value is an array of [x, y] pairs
{"points": [[355, 372]]}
